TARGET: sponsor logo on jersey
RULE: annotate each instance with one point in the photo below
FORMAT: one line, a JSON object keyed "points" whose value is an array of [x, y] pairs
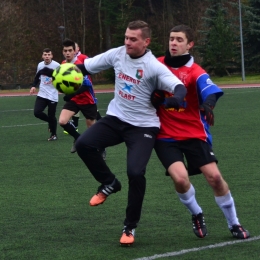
{"points": [[47, 80], [127, 88], [147, 136], [125, 95], [128, 78], [139, 74]]}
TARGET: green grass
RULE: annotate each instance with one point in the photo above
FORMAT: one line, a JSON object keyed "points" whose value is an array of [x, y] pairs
{"points": [[237, 79], [45, 190]]}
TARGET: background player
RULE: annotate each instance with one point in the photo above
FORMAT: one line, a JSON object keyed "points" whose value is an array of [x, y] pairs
{"points": [[83, 100], [47, 95]]}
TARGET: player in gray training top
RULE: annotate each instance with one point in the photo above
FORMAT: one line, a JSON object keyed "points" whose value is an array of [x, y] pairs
{"points": [[130, 118]]}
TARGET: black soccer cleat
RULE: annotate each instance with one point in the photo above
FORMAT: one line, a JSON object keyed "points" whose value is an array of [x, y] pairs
{"points": [[199, 226], [239, 232]]}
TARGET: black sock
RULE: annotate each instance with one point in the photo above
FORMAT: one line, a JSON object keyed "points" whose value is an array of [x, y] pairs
{"points": [[70, 128], [75, 120]]}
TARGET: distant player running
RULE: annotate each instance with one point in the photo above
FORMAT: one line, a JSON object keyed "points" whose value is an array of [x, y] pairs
{"points": [[47, 95]]}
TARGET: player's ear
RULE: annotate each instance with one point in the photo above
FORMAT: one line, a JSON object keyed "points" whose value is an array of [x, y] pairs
{"points": [[190, 45], [147, 42]]}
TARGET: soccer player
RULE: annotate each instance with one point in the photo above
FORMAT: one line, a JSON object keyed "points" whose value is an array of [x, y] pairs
{"points": [[185, 132], [130, 118], [80, 57], [47, 95], [83, 100]]}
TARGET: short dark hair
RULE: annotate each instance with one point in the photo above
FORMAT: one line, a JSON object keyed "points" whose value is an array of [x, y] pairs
{"points": [[46, 50], [143, 26], [186, 30], [68, 43]]}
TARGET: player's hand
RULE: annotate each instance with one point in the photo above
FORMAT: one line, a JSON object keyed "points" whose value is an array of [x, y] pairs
{"points": [[32, 90], [172, 102], [207, 109], [157, 98]]}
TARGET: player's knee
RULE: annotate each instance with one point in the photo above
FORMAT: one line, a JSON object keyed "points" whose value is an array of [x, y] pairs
{"points": [[181, 181], [62, 122], [132, 172], [37, 114], [83, 147], [180, 178], [215, 179]]}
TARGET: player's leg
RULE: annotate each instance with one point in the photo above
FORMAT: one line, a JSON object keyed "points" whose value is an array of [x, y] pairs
{"points": [[139, 142], [52, 119], [90, 112], [98, 115], [171, 156], [104, 152], [69, 109], [39, 106], [75, 120], [224, 199], [102, 134]]}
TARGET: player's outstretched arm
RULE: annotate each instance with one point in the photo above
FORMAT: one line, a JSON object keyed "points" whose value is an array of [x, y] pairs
{"points": [[83, 69]]}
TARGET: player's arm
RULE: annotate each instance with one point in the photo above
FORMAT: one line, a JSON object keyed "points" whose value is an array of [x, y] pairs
{"points": [[83, 69], [207, 108], [158, 97], [34, 83]]}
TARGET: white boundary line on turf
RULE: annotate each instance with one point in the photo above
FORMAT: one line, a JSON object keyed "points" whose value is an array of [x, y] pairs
{"points": [[185, 251]]}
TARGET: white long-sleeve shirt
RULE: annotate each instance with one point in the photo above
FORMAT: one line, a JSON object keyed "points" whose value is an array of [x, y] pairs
{"points": [[46, 89], [135, 80]]}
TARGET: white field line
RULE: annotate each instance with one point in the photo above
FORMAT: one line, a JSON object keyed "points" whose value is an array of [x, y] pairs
{"points": [[196, 249]]}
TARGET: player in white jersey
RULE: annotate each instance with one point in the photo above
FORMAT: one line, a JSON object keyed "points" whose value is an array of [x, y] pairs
{"points": [[47, 95], [130, 118]]}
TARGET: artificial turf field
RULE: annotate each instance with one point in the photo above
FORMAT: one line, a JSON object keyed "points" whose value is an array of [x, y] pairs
{"points": [[45, 191]]}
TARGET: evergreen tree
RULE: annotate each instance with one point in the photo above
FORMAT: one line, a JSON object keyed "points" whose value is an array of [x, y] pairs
{"points": [[217, 45], [252, 36]]}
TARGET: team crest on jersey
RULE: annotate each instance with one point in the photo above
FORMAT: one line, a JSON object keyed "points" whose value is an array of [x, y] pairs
{"points": [[139, 74], [182, 77]]}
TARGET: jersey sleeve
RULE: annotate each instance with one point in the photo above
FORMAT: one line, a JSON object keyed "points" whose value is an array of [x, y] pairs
{"points": [[100, 62], [166, 79], [206, 87]]}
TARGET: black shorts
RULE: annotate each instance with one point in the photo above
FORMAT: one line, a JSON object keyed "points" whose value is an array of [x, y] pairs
{"points": [[89, 111], [196, 152]]}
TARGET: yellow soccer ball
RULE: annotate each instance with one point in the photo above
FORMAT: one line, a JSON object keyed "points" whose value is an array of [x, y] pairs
{"points": [[67, 78]]}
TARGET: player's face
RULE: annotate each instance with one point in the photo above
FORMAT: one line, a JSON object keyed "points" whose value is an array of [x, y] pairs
{"points": [[178, 44], [134, 42], [47, 57], [68, 53]]}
